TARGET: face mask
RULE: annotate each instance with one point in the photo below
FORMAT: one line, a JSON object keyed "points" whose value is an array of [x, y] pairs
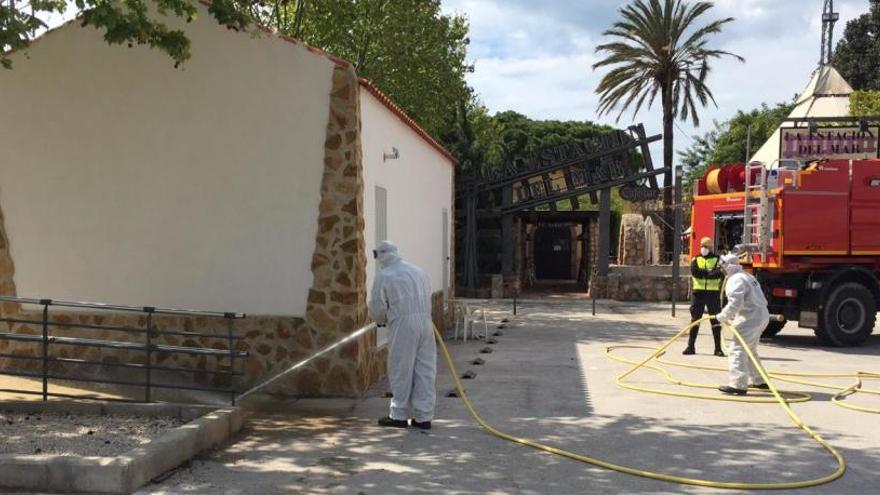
{"points": [[704, 251]]}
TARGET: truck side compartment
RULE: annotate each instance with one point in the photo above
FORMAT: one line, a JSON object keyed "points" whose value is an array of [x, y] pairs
{"points": [[865, 221]]}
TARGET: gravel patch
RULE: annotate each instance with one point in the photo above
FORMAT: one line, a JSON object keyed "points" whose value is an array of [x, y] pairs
{"points": [[74, 434]]}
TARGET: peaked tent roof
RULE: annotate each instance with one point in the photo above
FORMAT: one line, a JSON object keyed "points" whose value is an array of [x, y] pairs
{"points": [[826, 95]]}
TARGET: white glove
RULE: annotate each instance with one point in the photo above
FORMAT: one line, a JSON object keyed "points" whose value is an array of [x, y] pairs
{"points": [[723, 319]]}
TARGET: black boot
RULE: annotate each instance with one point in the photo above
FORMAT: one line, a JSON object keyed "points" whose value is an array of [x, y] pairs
{"points": [[732, 391], [716, 334], [692, 339], [394, 423]]}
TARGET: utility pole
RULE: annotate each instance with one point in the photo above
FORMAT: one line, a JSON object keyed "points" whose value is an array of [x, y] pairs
{"points": [[676, 239], [748, 145]]}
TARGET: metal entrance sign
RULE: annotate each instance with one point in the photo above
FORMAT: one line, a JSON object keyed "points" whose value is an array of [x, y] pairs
{"points": [[576, 178], [638, 193], [562, 172], [562, 154]]}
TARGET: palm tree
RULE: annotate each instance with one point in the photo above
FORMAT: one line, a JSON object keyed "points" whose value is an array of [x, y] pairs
{"points": [[660, 50]]}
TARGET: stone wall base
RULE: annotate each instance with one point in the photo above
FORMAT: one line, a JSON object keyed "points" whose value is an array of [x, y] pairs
{"points": [[652, 288], [274, 344]]}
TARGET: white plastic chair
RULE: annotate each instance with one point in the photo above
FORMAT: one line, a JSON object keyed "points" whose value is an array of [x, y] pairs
{"points": [[466, 315]]}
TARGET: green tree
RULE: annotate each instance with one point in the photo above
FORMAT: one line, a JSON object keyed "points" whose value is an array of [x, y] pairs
{"points": [[864, 103], [408, 48], [521, 135], [474, 139], [660, 49], [748, 128], [857, 55], [130, 22], [695, 158]]}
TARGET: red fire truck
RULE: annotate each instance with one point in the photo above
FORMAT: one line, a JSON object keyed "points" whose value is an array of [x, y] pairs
{"points": [[811, 234]]}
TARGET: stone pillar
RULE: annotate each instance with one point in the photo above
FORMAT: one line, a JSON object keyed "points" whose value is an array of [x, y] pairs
{"points": [[337, 299], [631, 244], [7, 288]]}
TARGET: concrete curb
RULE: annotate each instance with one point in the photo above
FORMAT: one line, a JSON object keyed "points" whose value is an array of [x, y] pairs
{"points": [[207, 427]]}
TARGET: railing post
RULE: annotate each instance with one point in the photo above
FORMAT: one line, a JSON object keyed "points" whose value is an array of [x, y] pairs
{"points": [[148, 364], [45, 303], [230, 332]]}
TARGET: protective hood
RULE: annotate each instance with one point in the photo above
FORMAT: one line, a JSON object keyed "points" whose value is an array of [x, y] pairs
{"points": [[730, 263], [386, 254]]}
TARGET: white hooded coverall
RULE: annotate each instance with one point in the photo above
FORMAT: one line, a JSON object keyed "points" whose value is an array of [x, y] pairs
{"points": [[401, 297], [746, 310]]}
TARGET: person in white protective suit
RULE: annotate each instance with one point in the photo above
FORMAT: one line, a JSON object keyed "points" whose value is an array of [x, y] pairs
{"points": [[401, 298], [746, 310]]}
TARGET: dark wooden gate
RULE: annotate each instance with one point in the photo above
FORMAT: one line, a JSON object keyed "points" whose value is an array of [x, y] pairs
{"points": [[553, 253]]}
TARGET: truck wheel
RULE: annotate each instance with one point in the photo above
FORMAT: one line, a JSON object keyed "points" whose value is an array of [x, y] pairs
{"points": [[849, 316], [773, 328]]}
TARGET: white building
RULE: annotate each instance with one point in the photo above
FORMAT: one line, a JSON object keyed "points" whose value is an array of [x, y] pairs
{"points": [[256, 178]]}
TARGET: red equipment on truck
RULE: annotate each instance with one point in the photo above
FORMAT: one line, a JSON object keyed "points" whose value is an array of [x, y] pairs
{"points": [[811, 233]]}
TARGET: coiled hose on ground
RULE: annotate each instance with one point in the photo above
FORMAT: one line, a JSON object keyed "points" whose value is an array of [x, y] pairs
{"points": [[777, 397]]}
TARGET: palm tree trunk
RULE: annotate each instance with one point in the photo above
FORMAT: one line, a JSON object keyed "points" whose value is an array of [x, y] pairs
{"points": [[668, 121]]}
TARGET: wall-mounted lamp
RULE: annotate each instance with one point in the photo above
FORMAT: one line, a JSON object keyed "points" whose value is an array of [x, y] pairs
{"points": [[863, 125], [394, 155]]}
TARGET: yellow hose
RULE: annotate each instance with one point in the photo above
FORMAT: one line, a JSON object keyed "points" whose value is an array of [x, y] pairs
{"points": [[842, 392], [789, 377], [841, 464]]}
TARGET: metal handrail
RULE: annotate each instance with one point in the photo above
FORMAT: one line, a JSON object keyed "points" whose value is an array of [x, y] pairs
{"points": [[121, 307], [147, 345]]}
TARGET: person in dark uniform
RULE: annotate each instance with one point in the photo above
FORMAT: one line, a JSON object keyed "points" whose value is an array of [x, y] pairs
{"points": [[706, 274]]}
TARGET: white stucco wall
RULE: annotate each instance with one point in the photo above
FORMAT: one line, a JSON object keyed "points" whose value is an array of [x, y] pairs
{"points": [[419, 186], [124, 180]]}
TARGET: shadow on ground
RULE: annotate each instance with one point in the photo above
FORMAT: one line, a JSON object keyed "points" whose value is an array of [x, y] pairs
{"points": [[331, 455]]}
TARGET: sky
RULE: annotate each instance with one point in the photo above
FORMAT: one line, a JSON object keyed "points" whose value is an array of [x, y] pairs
{"points": [[536, 57]]}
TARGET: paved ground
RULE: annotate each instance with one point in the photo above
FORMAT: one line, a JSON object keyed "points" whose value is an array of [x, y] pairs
{"points": [[548, 379]]}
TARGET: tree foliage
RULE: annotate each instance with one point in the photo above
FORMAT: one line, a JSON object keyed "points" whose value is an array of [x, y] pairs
{"points": [[864, 103], [130, 22], [408, 48], [474, 138], [660, 48], [695, 158], [484, 143], [857, 55], [521, 135]]}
